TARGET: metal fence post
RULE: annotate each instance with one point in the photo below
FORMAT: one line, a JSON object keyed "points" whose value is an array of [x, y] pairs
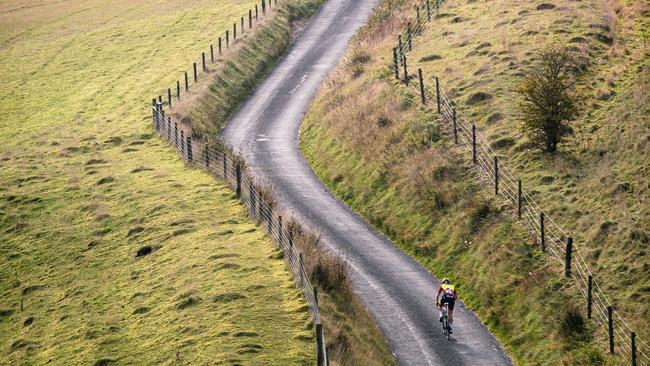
{"points": [[541, 230], [438, 93], [395, 63], [567, 257], [610, 328], [238, 176]]}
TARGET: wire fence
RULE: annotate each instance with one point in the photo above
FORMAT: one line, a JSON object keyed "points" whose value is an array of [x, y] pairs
{"points": [[550, 236], [224, 165], [223, 45]]}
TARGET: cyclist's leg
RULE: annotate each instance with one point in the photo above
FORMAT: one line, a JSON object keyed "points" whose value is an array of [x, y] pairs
{"points": [[451, 310]]}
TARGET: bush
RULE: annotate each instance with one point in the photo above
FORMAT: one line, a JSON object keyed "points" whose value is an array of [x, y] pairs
{"points": [[549, 98]]}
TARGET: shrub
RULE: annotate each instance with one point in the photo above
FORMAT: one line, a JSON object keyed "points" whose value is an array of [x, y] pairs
{"points": [[549, 98]]}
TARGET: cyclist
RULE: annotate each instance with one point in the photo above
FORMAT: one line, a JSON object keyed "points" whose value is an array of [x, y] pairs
{"points": [[446, 294]]}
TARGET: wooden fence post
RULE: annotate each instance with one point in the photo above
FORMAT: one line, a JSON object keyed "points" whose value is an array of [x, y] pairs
{"points": [[259, 206], [203, 61], [189, 148], [400, 47], [169, 97], [264, 7], [438, 93], [422, 96], [187, 83], [238, 177], [234, 33], [256, 13], [178, 90], [590, 288], [406, 73], [610, 328], [453, 117], [567, 257], [227, 39], [301, 269], [196, 75], [270, 220], [181, 146], [175, 135], [519, 199], [320, 355], [206, 153], [211, 53], [409, 35], [280, 236], [219, 46], [633, 348], [242, 25], [541, 230], [250, 19], [225, 170], [395, 63], [496, 176], [315, 289], [474, 144]]}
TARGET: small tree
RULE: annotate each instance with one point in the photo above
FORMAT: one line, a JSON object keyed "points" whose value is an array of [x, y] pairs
{"points": [[549, 99]]}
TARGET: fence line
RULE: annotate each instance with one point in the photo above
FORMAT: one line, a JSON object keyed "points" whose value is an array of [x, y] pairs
{"points": [[224, 165], [549, 235], [222, 45]]}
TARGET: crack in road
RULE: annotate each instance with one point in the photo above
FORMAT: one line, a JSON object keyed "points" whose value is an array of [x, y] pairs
{"points": [[398, 292]]}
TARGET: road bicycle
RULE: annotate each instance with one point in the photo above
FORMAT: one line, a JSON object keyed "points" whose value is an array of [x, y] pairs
{"points": [[445, 321]]}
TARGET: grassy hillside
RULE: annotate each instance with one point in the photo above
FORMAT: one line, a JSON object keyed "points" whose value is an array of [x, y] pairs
{"points": [[375, 147], [85, 187]]}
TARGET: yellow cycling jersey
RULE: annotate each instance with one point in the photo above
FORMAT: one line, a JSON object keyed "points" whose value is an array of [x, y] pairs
{"points": [[448, 287]]}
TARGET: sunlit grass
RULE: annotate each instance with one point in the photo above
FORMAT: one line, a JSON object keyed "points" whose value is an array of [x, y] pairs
{"points": [[85, 186]]}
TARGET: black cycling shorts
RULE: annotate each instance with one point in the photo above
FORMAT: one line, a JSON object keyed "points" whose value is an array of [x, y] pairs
{"points": [[449, 300]]}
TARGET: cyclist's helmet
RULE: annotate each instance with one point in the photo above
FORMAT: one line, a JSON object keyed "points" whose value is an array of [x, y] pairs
{"points": [[445, 281]]}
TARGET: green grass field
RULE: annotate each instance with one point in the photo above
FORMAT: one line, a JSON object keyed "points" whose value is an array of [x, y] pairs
{"points": [[376, 148], [85, 185]]}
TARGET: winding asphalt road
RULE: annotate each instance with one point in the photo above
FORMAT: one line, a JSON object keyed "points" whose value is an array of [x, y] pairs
{"points": [[398, 291]]}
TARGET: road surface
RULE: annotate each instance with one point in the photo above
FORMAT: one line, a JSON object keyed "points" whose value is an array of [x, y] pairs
{"points": [[398, 292]]}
